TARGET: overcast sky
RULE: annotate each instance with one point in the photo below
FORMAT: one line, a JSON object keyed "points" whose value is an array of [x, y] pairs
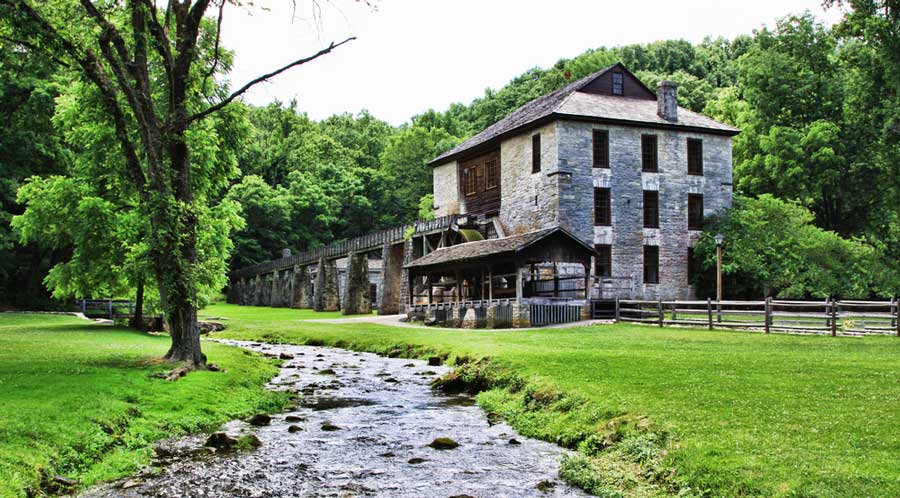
{"points": [[411, 55]]}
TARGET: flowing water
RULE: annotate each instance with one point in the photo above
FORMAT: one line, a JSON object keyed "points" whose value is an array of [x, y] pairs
{"points": [[382, 415]]}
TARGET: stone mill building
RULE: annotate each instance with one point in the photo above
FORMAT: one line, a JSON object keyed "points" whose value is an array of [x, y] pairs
{"points": [[622, 168], [592, 192]]}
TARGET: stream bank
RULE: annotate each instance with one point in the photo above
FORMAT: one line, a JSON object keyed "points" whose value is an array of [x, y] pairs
{"points": [[366, 426]]}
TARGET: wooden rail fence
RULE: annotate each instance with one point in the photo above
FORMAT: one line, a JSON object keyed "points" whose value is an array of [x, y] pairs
{"points": [[368, 242], [109, 308], [834, 317]]}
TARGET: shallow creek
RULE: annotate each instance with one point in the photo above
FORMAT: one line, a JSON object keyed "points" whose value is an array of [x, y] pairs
{"points": [[386, 415]]}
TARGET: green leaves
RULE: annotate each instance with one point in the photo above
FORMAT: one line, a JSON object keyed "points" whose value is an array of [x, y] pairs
{"points": [[772, 248]]}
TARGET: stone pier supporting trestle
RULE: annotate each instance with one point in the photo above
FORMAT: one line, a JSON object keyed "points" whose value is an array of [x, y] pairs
{"points": [[301, 293], [357, 297], [327, 297], [391, 279]]}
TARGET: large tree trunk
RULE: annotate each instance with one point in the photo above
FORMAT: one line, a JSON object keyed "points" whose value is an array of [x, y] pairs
{"points": [[176, 264], [182, 318]]}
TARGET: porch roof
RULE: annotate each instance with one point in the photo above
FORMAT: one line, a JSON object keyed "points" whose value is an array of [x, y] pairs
{"points": [[483, 250]]}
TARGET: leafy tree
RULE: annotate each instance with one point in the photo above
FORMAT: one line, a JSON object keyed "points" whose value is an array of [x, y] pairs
{"points": [[31, 146], [267, 212], [275, 132], [363, 136], [158, 122], [693, 92], [773, 249], [405, 169]]}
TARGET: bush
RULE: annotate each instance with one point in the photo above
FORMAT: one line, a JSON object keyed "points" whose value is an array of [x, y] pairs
{"points": [[773, 249]]}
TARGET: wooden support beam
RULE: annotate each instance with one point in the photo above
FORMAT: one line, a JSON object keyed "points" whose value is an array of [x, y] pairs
{"points": [[490, 284], [834, 313]]}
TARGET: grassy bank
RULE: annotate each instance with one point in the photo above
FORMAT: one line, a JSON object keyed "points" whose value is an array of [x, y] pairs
{"points": [[658, 410], [77, 399]]}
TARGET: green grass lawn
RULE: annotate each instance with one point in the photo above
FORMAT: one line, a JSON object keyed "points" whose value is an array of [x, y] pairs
{"points": [[76, 398], [742, 414]]}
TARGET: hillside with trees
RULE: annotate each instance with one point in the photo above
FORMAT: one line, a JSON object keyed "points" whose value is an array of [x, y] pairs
{"points": [[818, 106]]}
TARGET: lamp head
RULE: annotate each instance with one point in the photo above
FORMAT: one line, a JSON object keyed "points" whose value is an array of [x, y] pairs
{"points": [[719, 239]]}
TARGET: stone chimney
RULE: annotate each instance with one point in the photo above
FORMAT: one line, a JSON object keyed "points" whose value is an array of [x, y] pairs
{"points": [[285, 253], [666, 103]]}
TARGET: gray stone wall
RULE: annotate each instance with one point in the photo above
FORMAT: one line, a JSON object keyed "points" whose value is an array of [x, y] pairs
{"points": [[327, 292], [446, 189], [390, 290], [528, 200], [357, 299], [567, 189]]}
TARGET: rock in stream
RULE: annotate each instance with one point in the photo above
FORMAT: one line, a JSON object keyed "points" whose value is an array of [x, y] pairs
{"points": [[356, 436]]}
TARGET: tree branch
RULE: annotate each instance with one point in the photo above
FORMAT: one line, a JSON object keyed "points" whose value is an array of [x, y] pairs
{"points": [[160, 37], [265, 77], [35, 48], [94, 71], [212, 69]]}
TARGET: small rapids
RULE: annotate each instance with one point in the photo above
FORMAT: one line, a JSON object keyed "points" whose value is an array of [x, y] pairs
{"points": [[364, 431]]}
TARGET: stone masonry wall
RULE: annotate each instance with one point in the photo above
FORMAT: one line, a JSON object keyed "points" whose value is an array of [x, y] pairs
{"points": [[446, 189], [528, 200], [627, 182], [357, 299]]}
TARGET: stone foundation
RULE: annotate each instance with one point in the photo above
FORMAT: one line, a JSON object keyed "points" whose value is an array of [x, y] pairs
{"points": [[357, 297], [301, 295], [326, 294]]}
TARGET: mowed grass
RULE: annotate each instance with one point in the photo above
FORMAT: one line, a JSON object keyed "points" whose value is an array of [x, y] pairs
{"points": [[77, 399], [750, 414]]}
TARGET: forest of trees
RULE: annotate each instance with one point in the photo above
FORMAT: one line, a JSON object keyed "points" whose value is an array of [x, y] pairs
{"points": [[818, 155]]}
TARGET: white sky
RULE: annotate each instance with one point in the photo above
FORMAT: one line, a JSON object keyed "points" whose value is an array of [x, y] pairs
{"points": [[411, 55]]}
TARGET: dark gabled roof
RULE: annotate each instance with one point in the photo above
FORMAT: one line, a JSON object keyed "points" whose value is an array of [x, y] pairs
{"points": [[481, 249], [569, 102]]}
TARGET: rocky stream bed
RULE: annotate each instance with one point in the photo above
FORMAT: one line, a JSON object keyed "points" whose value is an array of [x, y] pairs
{"points": [[365, 426]]}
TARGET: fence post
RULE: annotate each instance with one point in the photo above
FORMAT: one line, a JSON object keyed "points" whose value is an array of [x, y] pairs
{"points": [[617, 309], [83, 306], [833, 318], [718, 311], [709, 311], [768, 313], [109, 303], [674, 310], [897, 315], [659, 308]]}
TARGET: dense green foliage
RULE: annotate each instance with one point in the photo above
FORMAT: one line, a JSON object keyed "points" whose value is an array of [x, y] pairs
{"points": [[78, 399], [775, 250], [714, 413], [818, 106]]}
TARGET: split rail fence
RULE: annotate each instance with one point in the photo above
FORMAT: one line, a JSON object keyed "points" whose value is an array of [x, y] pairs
{"points": [[109, 308], [834, 317]]}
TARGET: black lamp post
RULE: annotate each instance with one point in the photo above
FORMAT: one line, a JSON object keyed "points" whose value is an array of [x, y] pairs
{"points": [[719, 239]]}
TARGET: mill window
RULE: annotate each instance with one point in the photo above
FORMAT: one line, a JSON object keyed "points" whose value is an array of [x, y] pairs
{"points": [[695, 156], [601, 148], [651, 264], [536, 153], [602, 207], [617, 84], [648, 153], [651, 209], [603, 260], [695, 211], [492, 176], [469, 175]]}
